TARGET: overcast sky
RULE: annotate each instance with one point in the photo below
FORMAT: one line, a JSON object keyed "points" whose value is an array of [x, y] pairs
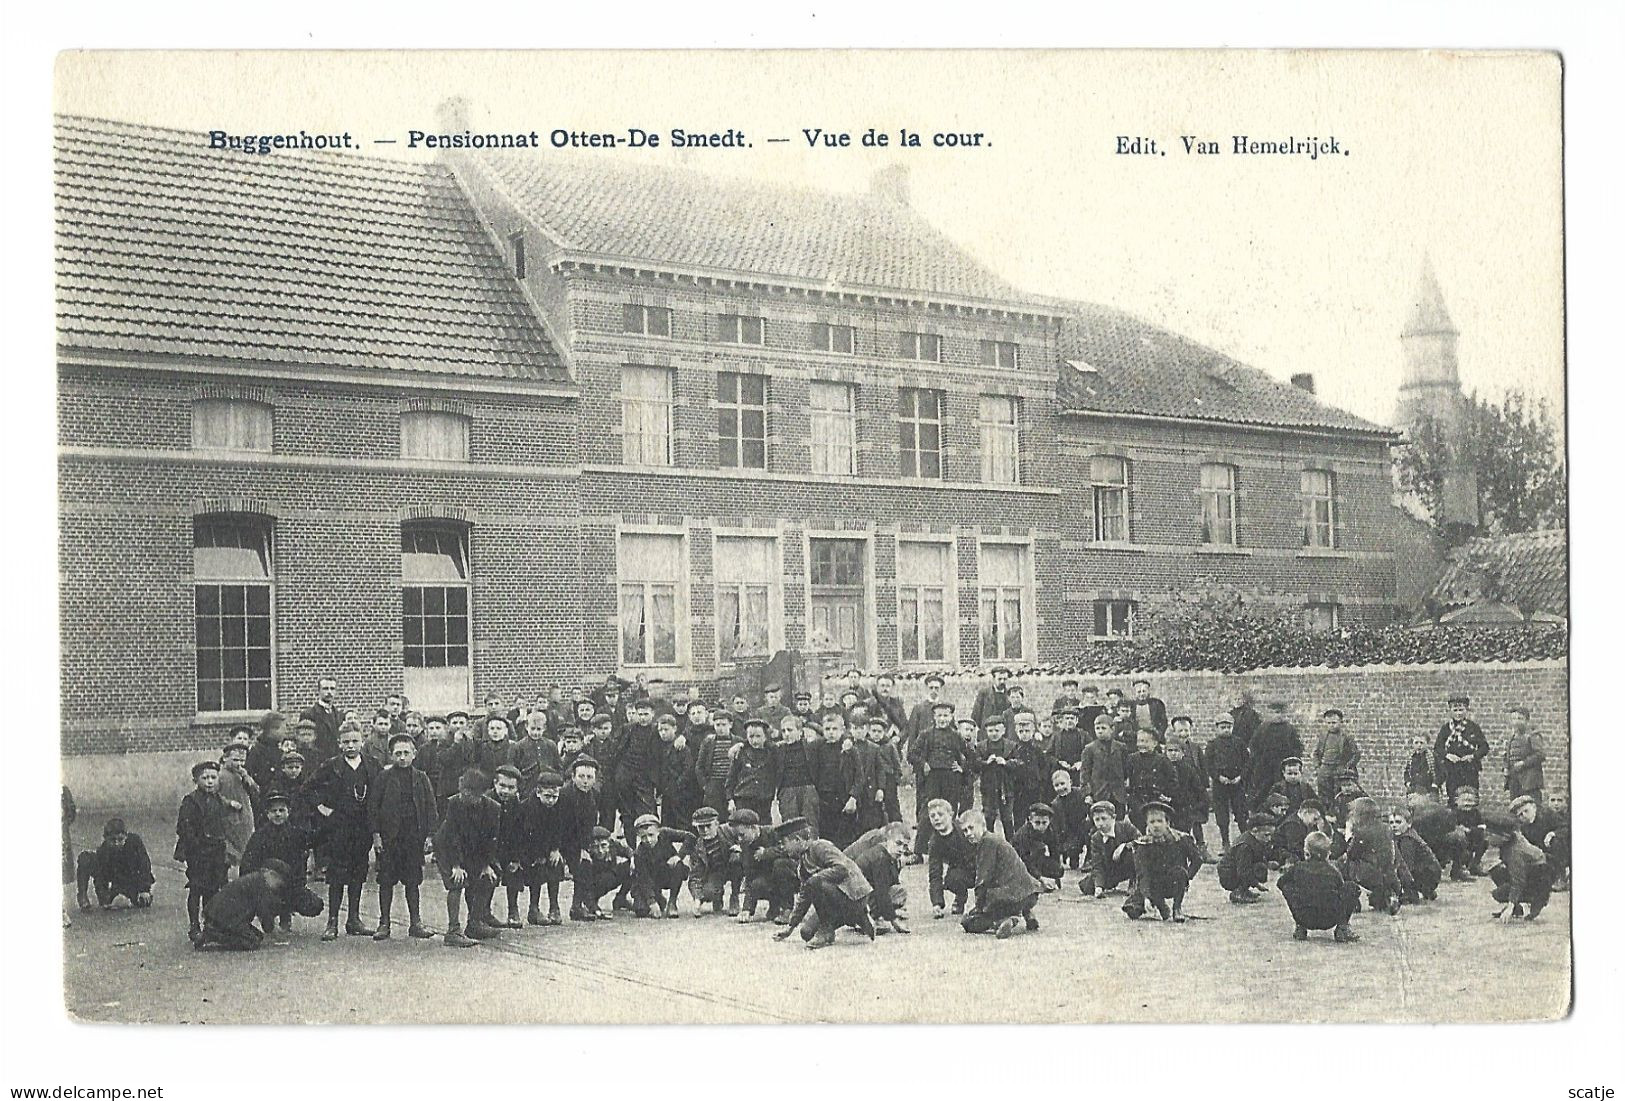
{"points": [[1286, 263]]}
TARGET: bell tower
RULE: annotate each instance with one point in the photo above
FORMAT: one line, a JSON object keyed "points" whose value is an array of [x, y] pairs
{"points": [[1430, 389]]}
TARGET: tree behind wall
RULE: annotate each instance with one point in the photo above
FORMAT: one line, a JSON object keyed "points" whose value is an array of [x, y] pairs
{"points": [[1512, 450]]}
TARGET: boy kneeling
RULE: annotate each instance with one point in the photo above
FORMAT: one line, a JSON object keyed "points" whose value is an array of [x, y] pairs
{"points": [[120, 866], [1005, 892], [228, 919], [1317, 894], [832, 888], [1111, 851]]}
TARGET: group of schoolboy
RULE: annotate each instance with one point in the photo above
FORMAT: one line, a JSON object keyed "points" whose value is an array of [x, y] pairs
{"points": [[1109, 784]]}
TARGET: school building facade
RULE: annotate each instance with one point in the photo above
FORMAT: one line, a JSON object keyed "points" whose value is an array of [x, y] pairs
{"points": [[483, 425]]}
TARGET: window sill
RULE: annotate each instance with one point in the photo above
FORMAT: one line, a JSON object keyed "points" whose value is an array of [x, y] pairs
{"points": [[1322, 552], [1111, 638], [228, 718], [1119, 546], [1224, 550]]}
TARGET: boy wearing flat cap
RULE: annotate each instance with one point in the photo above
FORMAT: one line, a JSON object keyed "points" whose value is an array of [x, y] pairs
{"points": [[1039, 844], [200, 841], [541, 855], [753, 773], [660, 865], [717, 857], [1291, 785], [834, 892], [1165, 862], [280, 839], [465, 852], [1244, 870], [937, 756]]}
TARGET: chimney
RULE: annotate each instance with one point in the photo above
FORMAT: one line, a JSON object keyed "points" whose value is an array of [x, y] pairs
{"points": [[1304, 382], [890, 183], [452, 115]]}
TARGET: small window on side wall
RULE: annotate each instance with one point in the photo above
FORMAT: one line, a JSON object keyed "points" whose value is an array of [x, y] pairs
{"points": [[1114, 619], [441, 437], [231, 424]]}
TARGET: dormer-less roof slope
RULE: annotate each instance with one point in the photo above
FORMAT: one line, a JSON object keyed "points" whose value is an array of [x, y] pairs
{"points": [[689, 221], [1112, 362], [167, 249]]}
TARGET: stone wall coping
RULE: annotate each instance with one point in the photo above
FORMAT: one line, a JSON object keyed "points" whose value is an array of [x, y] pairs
{"points": [[1040, 673]]}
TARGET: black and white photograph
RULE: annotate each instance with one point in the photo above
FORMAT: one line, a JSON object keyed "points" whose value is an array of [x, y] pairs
{"points": [[665, 538]]}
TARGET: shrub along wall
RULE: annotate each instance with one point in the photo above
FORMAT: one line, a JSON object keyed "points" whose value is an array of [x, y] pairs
{"points": [[1385, 707]]}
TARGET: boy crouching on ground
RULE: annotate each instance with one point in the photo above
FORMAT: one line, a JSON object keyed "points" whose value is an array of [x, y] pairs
{"points": [[1111, 851], [833, 890], [119, 866], [717, 858], [1005, 892], [1165, 862], [541, 830], [660, 865], [950, 860], [1317, 894], [1245, 869], [278, 838], [1039, 844], [1523, 877], [465, 852], [229, 918]]}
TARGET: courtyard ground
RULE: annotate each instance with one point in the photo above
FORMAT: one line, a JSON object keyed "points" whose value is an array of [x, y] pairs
{"points": [[1442, 961]]}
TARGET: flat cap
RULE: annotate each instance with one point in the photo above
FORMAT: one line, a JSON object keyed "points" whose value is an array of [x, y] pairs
{"points": [[744, 816]]}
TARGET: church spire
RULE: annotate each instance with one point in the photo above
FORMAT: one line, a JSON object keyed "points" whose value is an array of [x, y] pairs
{"points": [[1428, 312]]}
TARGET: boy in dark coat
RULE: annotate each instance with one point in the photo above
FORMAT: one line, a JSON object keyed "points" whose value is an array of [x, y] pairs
{"points": [[768, 870], [1030, 766], [1071, 817], [1275, 741], [1291, 785], [1111, 851], [119, 866], [537, 754], [837, 777], [1316, 893], [229, 918], [1420, 778], [578, 807], [541, 832], [465, 852], [340, 788], [1227, 769], [280, 839], [1372, 861], [401, 809], [717, 857], [1070, 739], [1039, 845], [660, 865], [1105, 766], [1151, 776], [1165, 862], [200, 842], [753, 772], [798, 770], [868, 738], [998, 798], [1005, 892], [510, 845], [636, 765], [975, 755], [950, 859], [1524, 875], [1286, 846], [879, 856], [675, 786], [1460, 748], [1189, 795], [610, 870], [1245, 869], [713, 758], [1419, 869]]}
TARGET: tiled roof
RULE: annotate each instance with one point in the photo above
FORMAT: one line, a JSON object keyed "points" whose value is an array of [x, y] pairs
{"points": [[166, 248], [1530, 570], [1112, 362], [692, 220]]}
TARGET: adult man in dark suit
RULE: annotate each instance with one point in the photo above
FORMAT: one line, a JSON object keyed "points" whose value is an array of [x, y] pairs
{"points": [[326, 715]]}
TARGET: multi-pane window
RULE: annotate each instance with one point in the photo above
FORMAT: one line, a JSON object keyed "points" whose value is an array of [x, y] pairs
{"points": [[999, 440], [837, 562], [1003, 581], [231, 572], [1318, 491], [430, 435], [747, 586], [434, 613], [741, 420], [733, 328], [231, 424], [923, 346], [650, 571], [648, 320], [1108, 479], [646, 416], [1219, 504], [998, 353], [919, 422], [1320, 617], [924, 582], [834, 338], [1114, 618], [834, 427]]}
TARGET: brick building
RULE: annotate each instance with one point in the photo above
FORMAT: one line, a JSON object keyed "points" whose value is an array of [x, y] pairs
{"points": [[476, 426]]}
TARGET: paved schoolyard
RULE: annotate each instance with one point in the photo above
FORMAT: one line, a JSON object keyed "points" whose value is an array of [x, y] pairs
{"points": [[1435, 962]]}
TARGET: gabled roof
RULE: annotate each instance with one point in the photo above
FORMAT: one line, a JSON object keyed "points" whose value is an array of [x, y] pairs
{"points": [[1529, 570], [660, 215], [1112, 362], [169, 249]]}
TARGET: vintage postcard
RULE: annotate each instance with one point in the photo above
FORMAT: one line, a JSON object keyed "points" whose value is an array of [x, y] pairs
{"points": [[863, 536]]}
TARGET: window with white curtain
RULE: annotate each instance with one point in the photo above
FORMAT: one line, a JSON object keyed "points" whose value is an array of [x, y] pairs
{"points": [[747, 573], [1318, 492], [1219, 504], [1003, 580], [1000, 442], [646, 416], [834, 427], [650, 571], [924, 592], [231, 424], [434, 435], [1108, 480]]}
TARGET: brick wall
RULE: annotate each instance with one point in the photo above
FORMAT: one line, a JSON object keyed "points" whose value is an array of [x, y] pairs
{"points": [[1385, 707]]}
